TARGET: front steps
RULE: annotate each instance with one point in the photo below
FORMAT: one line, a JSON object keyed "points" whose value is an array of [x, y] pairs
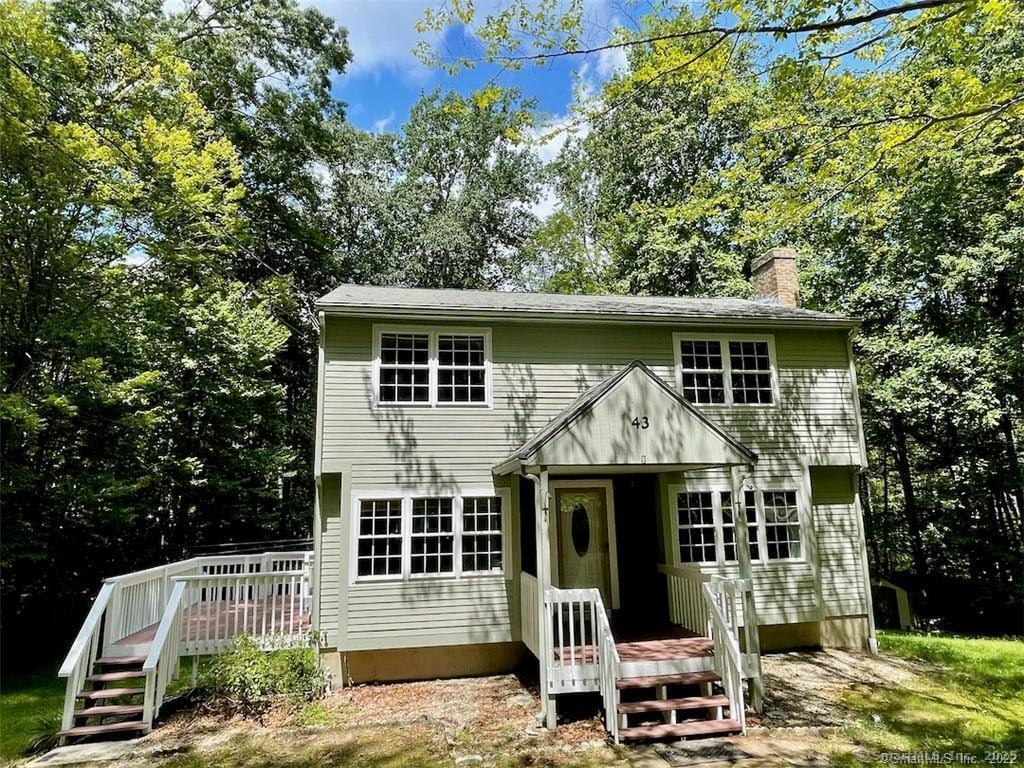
{"points": [[674, 706], [111, 705]]}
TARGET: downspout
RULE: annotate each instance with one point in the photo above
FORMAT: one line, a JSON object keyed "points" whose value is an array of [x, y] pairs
{"points": [[541, 509]]}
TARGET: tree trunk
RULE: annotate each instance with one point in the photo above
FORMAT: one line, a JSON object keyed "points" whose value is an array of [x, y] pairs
{"points": [[910, 508], [869, 520]]}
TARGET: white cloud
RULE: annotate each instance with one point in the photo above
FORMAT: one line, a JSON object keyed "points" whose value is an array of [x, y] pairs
{"points": [[548, 139], [379, 126], [611, 61], [381, 33]]}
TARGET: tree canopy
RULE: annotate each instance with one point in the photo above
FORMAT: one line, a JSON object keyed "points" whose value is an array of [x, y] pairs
{"points": [[178, 184]]}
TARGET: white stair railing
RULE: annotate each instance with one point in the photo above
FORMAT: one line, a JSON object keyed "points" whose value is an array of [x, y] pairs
{"points": [[608, 658], [688, 608], [728, 661], [163, 661], [84, 651]]}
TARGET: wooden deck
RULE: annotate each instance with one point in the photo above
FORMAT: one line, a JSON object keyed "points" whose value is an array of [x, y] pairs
{"points": [[213, 620], [661, 644]]}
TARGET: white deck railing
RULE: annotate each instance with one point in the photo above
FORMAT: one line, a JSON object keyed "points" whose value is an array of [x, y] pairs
{"points": [[572, 627], [191, 607], [688, 607], [529, 611]]}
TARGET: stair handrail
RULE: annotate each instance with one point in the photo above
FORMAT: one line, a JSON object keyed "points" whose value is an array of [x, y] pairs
{"points": [[78, 663], [164, 656], [609, 661], [728, 659]]}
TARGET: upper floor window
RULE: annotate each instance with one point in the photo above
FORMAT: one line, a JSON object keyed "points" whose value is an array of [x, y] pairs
{"points": [[725, 371], [432, 367]]}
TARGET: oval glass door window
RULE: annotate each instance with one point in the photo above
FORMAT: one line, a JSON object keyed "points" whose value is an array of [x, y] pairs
{"points": [[580, 530]]}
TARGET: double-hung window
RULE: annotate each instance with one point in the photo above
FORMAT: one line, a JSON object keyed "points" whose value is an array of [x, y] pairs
{"points": [[416, 536], [432, 541], [461, 368], [481, 534], [696, 516], [379, 551], [729, 526], [432, 368], [722, 370], [781, 525], [404, 369], [706, 526]]}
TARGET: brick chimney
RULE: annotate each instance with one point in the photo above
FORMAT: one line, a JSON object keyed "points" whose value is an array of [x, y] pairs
{"points": [[773, 275]]}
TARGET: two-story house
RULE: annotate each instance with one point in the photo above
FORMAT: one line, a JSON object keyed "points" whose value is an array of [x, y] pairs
{"points": [[642, 493]]}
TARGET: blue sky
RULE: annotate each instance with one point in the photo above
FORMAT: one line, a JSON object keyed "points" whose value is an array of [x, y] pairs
{"points": [[385, 79]]}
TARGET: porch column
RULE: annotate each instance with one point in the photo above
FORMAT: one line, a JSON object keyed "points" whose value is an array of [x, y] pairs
{"points": [[541, 506], [750, 623]]}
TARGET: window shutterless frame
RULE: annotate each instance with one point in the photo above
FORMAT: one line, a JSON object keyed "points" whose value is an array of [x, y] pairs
{"points": [[407, 496], [723, 340], [433, 333], [756, 532]]}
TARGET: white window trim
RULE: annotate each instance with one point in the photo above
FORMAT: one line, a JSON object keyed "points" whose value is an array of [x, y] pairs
{"points": [[762, 523], [432, 332], [717, 488], [723, 339], [406, 495]]}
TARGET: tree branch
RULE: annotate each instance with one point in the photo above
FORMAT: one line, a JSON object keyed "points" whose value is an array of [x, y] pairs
{"points": [[771, 29]]}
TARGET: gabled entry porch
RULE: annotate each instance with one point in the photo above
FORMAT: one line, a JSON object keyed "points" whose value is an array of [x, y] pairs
{"points": [[669, 650]]}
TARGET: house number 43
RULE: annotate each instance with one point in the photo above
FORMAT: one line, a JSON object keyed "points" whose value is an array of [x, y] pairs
{"points": [[640, 422]]}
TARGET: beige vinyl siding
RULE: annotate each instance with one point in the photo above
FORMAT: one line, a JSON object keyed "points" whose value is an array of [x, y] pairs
{"points": [[840, 542], [538, 369], [329, 563], [424, 612]]}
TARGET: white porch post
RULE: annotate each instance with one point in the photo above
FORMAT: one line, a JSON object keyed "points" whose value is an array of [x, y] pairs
{"points": [[541, 505], [750, 623]]}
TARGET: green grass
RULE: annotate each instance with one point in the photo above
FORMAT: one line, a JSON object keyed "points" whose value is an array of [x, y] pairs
{"points": [[970, 701], [30, 704]]}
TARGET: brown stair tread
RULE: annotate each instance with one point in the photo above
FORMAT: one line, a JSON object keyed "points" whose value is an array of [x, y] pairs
{"points": [[111, 693], [110, 710], [685, 678], [666, 705], [681, 730], [97, 730], [108, 677], [120, 661]]}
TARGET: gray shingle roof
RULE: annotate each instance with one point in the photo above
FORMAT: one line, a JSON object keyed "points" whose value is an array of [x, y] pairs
{"points": [[378, 300]]}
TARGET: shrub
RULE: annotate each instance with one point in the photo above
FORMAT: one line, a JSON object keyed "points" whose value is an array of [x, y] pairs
{"points": [[246, 678]]}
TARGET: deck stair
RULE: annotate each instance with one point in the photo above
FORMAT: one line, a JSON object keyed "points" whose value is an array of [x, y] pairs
{"points": [[679, 697], [142, 624], [111, 706]]}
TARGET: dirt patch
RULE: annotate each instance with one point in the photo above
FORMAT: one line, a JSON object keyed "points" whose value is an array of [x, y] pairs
{"points": [[804, 690], [492, 721], [488, 721]]}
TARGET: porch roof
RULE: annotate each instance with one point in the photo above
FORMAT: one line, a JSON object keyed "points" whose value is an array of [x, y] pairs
{"points": [[632, 421]]}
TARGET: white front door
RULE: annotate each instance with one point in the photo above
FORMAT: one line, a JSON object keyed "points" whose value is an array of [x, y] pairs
{"points": [[584, 521]]}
